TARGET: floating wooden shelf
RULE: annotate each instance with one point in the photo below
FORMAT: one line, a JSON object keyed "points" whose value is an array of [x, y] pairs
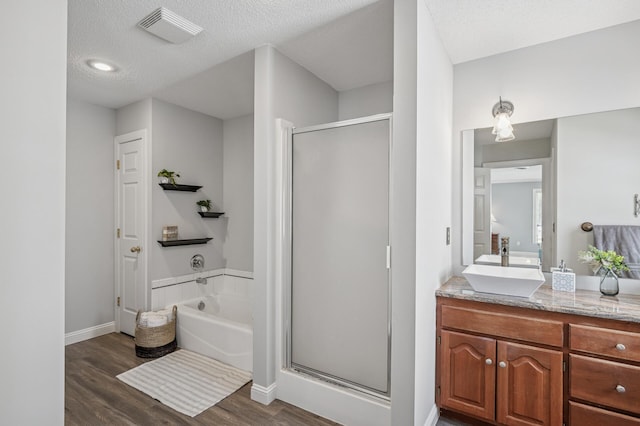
{"points": [[192, 241], [179, 187], [210, 214]]}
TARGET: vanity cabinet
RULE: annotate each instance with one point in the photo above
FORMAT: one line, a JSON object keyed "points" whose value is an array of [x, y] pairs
{"points": [[604, 371], [490, 376], [468, 374], [556, 358]]}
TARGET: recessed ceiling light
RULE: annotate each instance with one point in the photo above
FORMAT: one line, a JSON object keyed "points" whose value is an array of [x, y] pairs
{"points": [[101, 65]]}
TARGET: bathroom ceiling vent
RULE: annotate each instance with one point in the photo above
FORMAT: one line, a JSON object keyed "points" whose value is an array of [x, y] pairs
{"points": [[167, 25]]}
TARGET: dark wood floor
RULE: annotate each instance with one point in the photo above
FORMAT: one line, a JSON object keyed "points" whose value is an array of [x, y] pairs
{"points": [[93, 395]]}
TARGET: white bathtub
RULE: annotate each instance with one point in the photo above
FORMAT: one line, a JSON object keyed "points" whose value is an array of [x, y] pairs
{"points": [[223, 330]]}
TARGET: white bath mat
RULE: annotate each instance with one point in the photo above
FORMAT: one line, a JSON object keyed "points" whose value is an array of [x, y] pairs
{"points": [[186, 381]]}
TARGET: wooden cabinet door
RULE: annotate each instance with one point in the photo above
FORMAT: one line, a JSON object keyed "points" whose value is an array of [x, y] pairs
{"points": [[468, 374], [529, 385]]}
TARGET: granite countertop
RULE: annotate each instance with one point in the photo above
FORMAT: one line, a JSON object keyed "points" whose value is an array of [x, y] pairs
{"points": [[582, 302]]}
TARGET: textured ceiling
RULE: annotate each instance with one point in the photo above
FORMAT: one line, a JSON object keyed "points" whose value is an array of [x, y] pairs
{"points": [[224, 91], [472, 29], [347, 43], [106, 29]]}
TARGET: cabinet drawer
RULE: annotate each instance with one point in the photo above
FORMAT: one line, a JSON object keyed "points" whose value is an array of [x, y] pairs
{"points": [[519, 327], [603, 382], [584, 415], [602, 341]]}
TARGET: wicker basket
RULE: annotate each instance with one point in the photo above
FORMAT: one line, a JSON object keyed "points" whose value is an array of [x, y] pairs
{"points": [[154, 342]]}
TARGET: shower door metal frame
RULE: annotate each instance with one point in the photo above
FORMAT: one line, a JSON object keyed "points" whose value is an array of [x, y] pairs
{"points": [[287, 238]]}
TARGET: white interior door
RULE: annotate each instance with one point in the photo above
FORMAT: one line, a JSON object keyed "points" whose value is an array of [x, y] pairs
{"points": [[131, 208], [339, 264], [481, 212]]}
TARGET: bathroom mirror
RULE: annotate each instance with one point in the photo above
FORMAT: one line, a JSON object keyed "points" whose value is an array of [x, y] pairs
{"points": [[589, 173]]}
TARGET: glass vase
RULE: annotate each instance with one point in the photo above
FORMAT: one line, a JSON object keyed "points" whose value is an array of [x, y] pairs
{"points": [[609, 283]]}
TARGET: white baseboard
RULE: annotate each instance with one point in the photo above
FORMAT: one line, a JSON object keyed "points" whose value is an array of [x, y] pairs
{"points": [[263, 395], [89, 333], [433, 417]]}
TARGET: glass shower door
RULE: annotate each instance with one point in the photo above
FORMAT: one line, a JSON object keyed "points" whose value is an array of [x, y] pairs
{"points": [[339, 301]]}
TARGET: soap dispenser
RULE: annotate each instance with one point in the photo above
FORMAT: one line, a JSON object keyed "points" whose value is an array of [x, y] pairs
{"points": [[563, 278]]}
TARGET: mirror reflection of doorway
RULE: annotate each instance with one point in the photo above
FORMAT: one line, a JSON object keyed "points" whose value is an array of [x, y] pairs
{"points": [[512, 199], [516, 208], [534, 146]]}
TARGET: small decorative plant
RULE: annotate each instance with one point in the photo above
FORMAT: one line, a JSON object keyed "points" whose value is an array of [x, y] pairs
{"points": [[167, 176], [205, 205], [609, 259]]}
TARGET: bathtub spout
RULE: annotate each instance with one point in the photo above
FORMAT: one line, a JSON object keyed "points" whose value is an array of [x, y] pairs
{"points": [[201, 280]]}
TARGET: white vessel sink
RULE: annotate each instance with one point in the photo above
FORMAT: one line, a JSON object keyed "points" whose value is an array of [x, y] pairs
{"points": [[507, 280], [521, 262]]}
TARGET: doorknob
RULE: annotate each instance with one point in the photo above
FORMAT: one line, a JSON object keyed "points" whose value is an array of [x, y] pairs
{"points": [[136, 249]]}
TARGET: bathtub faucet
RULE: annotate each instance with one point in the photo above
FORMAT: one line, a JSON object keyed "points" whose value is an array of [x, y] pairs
{"points": [[201, 280]]}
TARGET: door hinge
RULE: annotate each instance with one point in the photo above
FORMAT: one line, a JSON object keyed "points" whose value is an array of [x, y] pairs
{"points": [[564, 366], [118, 164], [438, 390], [118, 233], [439, 340], [118, 301]]}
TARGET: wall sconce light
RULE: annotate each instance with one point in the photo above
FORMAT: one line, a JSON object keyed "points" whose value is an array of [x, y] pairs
{"points": [[502, 123]]}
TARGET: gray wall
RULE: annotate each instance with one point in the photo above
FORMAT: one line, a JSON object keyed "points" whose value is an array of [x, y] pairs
{"points": [[191, 144], [32, 108], [516, 150], [238, 192], [89, 289], [135, 116], [299, 96], [512, 206], [283, 89], [421, 207], [367, 100]]}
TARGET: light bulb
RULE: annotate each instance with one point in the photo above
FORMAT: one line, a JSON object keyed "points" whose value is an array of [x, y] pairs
{"points": [[101, 66]]}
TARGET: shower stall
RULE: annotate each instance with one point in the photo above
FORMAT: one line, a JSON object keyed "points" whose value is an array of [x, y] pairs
{"points": [[337, 291]]}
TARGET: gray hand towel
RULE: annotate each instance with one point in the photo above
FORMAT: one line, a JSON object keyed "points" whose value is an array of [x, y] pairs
{"points": [[624, 240]]}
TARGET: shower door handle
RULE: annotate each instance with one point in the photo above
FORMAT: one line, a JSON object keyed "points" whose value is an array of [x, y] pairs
{"points": [[388, 257], [136, 249]]}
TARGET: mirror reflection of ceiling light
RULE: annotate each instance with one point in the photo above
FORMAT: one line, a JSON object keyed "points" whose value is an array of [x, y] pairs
{"points": [[101, 65], [502, 127]]}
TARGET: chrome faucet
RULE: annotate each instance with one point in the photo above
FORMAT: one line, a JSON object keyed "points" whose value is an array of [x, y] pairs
{"points": [[504, 252], [197, 264]]}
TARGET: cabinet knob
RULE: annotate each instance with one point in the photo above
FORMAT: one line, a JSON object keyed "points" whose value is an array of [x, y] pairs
{"points": [[502, 364], [488, 361], [620, 347], [620, 389]]}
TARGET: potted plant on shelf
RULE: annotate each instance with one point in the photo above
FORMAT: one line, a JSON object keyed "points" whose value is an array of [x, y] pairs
{"points": [[606, 263], [205, 205], [167, 176]]}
